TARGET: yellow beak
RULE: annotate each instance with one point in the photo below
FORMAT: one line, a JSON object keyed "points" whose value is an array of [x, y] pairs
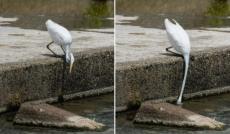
{"points": [[70, 68]]}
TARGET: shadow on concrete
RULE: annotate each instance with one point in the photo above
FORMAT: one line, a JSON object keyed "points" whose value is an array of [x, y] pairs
{"points": [[51, 55], [171, 54]]}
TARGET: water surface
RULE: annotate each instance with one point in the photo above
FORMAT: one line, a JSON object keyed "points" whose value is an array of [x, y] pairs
{"points": [[73, 14], [189, 13]]}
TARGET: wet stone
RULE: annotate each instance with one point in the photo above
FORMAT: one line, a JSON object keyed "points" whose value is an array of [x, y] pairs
{"points": [[45, 115], [167, 114]]}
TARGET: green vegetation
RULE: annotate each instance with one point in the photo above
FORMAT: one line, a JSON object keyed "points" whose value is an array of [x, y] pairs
{"points": [[217, 8]]}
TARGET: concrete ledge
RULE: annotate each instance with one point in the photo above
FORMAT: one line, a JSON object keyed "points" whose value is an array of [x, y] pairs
{"points": [[46, 115], [161, 78], [41, 78], [172, 115]]}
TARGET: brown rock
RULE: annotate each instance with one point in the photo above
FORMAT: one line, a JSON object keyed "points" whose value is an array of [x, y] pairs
{"points": [[172, 115], [50, 116]]}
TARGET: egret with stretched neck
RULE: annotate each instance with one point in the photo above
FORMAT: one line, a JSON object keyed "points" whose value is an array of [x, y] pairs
{"points": [[62, 37], [179, 40]]}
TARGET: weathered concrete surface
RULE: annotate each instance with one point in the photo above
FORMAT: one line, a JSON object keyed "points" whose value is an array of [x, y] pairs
{"points": [[146, 71], [150, 43], [28, 72], [78, 95], [172, 115], [20, 45], [46, 115], [42, 79]]}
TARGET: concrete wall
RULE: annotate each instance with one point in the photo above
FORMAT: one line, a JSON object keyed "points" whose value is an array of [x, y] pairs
{"points": [[143, 80], [42, 78]]}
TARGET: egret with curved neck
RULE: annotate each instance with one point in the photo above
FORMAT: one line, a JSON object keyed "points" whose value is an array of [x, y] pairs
{"points": [[179, 40], [62, 37]]}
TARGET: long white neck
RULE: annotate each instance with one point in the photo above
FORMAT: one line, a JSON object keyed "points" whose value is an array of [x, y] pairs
{"points": [[67, 53], [186, 61]]}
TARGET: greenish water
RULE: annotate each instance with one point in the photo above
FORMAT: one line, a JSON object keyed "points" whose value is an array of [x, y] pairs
{"points": [[73, 14], [217, 107], [99, 108], [189, 13]]}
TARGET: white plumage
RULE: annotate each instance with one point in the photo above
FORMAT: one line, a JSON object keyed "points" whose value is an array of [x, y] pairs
{"points": [[177, 37], [62, 37], [179, 40]]}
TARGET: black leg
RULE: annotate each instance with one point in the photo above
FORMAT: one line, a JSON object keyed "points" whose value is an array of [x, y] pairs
{"points": [[168, 50], [63, 50], [48, 47], [60, 97]]}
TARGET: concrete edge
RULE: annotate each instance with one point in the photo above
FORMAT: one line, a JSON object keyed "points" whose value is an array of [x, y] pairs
{"points": [[173, 115], [79, 95], [51, 60], [169, 59], [62, 126], [23, 79], [205, 93], [46, 115], [182, 124]]}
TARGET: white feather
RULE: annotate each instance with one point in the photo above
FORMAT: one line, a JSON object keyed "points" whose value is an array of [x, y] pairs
{"points": [[60, 35], [177, 37], [179, 40]]}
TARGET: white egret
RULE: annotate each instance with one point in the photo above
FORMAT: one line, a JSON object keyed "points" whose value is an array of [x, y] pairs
{"points": [[179, 40], [62, 37]]}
